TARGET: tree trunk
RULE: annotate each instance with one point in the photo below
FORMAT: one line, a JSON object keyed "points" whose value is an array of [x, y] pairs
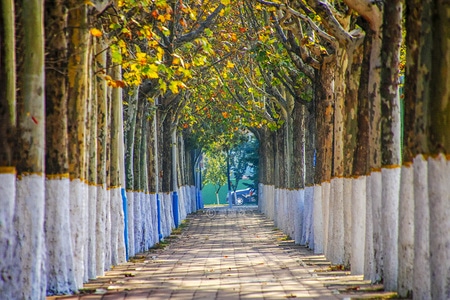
{"points": [[7, 83], [78, 37], [166, 150], [439, 143], [117, 213], [8, 123], [324, 118], [92, 166], [390, 126], [30, 156], [298, 162], [60, 278], [102, 136], [130, 129]]}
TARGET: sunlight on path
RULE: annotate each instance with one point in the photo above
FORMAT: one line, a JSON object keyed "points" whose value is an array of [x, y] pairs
{"points": [[227, 254]]}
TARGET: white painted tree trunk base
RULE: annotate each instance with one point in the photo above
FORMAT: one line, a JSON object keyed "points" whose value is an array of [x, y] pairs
{"points": [[326, 195], [108, 232], [390, 206], [336, 224], [318, 223], [59, 262], [439, 197], [154, 208], [406, 232], [29, 226], [421, 280], [79, 241], [276, 208], [358, 225], [114, 226], [10, 283], [130, 210], [375, 196], [137, 229], [369, 255], [85, 200], [309, 205], [299, 218], [92, 213], [347, 203], [100, 228]]}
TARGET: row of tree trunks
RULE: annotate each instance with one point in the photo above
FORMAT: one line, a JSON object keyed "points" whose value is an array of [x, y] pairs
{"points": [[393, 203]]}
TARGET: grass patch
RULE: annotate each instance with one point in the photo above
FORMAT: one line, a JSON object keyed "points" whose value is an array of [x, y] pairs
{"points": [[181, 227], [209, 195], [285, 238]]}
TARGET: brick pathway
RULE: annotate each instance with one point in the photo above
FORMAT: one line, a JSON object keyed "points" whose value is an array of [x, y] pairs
{"points": [[227, 254]]}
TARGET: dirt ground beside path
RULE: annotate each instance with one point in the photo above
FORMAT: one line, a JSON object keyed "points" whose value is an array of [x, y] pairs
{"points": [[220, 253]]}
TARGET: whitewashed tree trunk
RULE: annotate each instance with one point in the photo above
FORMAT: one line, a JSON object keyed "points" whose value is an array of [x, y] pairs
{"points": [[358, 225], [29, 224], [439, 197], [114, 202], [347, 202], [108, 232], [326, 198], [85, 229], [421, 281], [276, 207], [375, 196], [60, 275], [92, 220], [336, 225], [10, 284], [390, 205], [130, 210], [77, 229], [369, 255], [299, 217], [406, 232], [137, 223], [318, 223], [100, 228], [309, 205]]}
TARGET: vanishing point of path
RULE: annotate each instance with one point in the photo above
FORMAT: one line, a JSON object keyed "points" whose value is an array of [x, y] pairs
{"points": [[228, 254]]}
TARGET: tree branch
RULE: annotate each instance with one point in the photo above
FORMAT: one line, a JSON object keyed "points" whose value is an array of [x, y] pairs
{"points": [[197, 32]]}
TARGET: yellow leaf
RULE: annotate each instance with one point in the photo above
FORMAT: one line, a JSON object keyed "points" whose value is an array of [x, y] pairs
{"points": [[173, 86], [141, 58], [225, 2], [230, 65], [153, 73], [88, 2], [95, 32], [160, 53], [163, 86]]}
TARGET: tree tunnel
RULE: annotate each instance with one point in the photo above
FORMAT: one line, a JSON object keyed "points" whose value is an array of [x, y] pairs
{"points": [[107, 107]]}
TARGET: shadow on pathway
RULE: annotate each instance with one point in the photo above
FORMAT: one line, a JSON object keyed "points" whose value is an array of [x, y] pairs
{"points": [[222, 253]]}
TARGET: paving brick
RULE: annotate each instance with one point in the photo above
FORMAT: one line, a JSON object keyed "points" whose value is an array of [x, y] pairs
{"points": [[227, 254]]}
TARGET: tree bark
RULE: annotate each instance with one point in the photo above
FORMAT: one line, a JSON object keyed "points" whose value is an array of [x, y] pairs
{"points": [[391, 143], [8, 124], [324, 118], [8, 114], [78, 38], [439, 144], [102, 137], [30, 153]]}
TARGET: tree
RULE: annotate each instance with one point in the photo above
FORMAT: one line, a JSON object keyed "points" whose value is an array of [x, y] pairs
{"points": [[30, 155], [243, 159], [215, 166]]}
